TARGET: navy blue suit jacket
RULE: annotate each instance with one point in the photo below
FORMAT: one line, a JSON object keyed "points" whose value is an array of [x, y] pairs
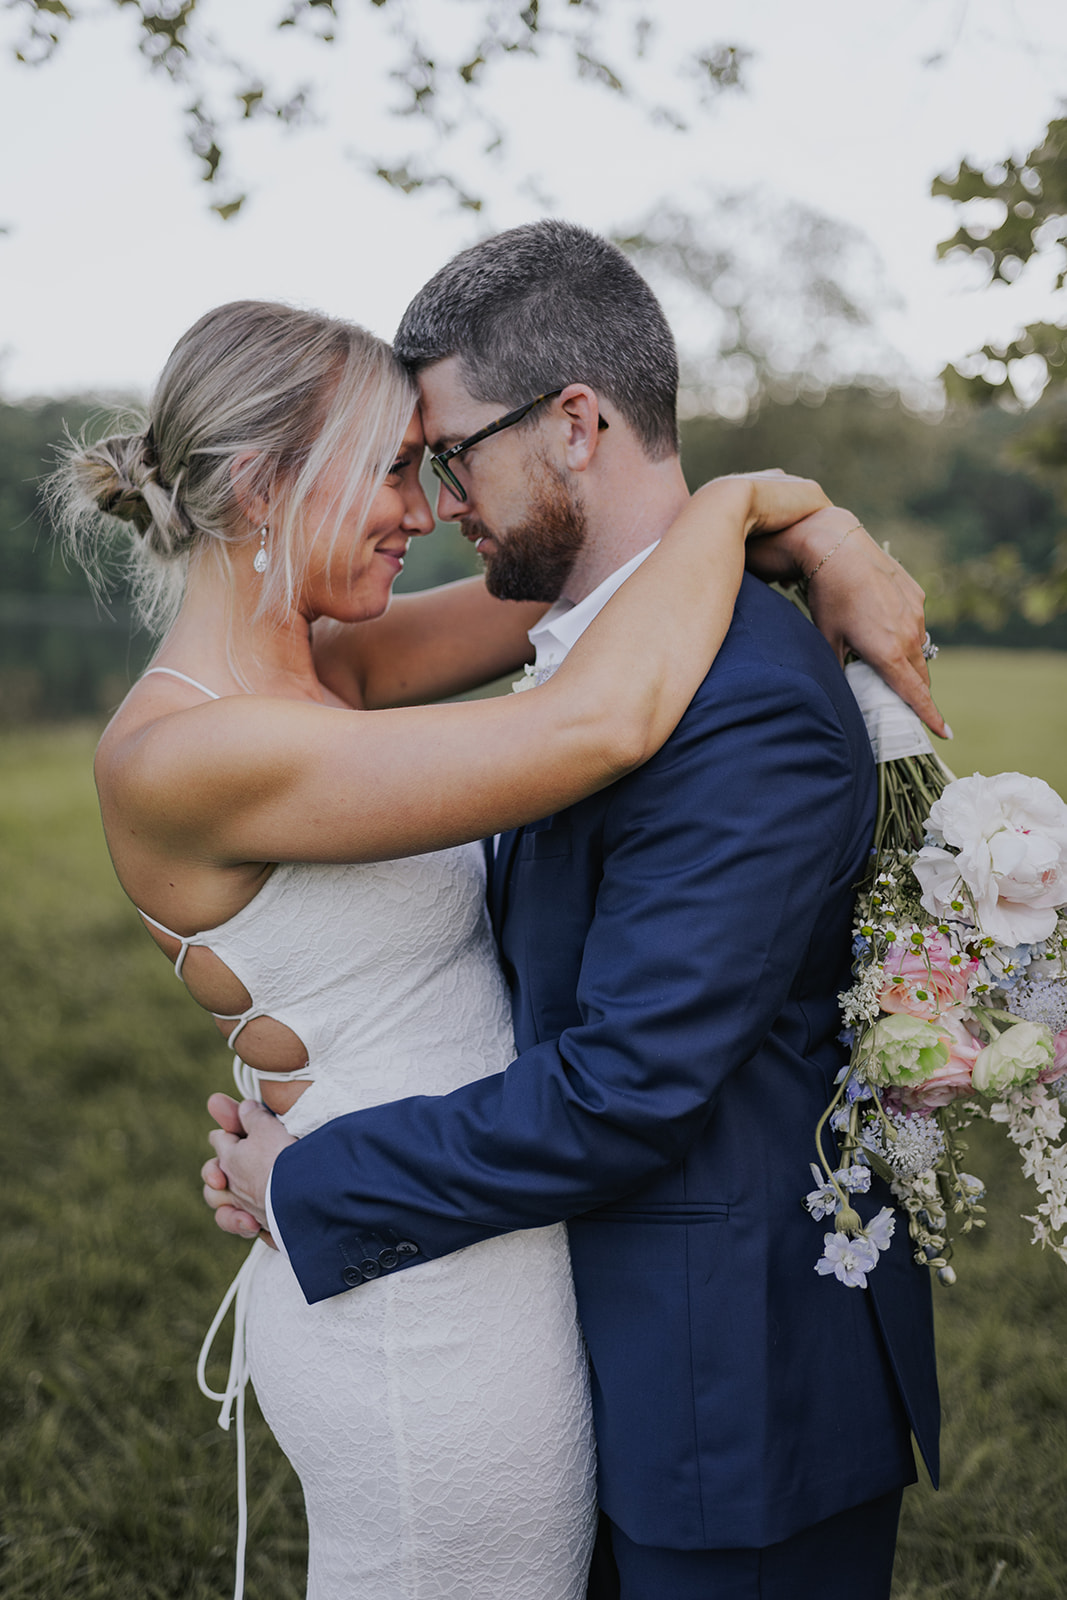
{"points": [[675, 946]]}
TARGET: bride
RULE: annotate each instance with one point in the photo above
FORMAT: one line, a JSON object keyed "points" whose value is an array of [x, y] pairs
{"points": [[299, 845]]}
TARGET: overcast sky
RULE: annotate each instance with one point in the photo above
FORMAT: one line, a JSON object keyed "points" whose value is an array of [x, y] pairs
{"points": [[853, 108]]}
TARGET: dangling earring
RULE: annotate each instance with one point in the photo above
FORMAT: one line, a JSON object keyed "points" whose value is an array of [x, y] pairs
{"points": [[262, 560]]}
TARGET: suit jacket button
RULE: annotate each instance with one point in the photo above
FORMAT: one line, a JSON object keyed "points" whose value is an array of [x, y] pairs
{"points": [[369, 1268], [352, 1276], [387, 1259], [406, 1247]]}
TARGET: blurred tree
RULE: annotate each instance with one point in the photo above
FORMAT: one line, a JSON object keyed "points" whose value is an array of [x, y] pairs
{"points": [[29, 436], [440, 59], [62, 653], [968, 513], [1015, 215], [975, 521], [1013, 212], [769, 299]]}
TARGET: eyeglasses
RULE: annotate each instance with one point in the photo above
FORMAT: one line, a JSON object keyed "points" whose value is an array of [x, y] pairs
{"points": [[438, 463]]}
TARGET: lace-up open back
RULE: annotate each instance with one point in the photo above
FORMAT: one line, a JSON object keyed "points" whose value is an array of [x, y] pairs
{"points": [[438, 1418]]}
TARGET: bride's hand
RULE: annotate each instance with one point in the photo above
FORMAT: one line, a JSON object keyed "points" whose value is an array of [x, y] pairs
{"points": [[864, 601], [248, 1142]]}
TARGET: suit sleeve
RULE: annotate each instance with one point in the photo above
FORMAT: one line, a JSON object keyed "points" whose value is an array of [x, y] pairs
{"points": [[717, 856]]}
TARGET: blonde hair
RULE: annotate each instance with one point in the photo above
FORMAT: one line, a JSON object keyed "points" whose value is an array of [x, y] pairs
{"points": [[257, 400]]}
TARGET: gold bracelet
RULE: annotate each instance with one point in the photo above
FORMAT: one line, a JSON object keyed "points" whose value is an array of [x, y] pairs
{"points": [[832, 550]]}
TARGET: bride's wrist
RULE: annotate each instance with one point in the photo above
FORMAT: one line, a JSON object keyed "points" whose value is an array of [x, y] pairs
{"points": [[810, 544]]}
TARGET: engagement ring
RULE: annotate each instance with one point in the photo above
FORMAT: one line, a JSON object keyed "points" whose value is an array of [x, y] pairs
{"points": [[930, 649]]}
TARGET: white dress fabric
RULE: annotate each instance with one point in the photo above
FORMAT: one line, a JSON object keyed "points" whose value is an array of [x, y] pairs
{"points": [[438, 1417]]}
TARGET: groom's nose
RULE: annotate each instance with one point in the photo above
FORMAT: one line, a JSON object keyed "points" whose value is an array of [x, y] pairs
{"points": [[448, 507]]}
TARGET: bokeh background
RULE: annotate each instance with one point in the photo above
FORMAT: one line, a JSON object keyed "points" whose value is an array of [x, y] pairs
{"points": [[785, 177]]}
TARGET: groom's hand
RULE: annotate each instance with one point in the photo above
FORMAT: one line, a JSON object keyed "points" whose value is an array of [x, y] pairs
{"points": [[247, 1144]]}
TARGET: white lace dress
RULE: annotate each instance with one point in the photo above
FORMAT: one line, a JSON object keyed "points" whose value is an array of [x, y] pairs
{"points": [[439, 1417]]}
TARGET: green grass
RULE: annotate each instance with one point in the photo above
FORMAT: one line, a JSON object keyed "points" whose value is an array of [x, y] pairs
{"points": [[114, 1480], [115, 1483], [1008, 711]]}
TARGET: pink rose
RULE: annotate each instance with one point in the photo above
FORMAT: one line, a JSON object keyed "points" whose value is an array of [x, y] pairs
{"points": [[949, 1081], [926, 983], [1059, 1063]]}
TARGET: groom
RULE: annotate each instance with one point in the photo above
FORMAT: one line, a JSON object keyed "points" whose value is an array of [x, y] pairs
{"points": [[675, 945]]}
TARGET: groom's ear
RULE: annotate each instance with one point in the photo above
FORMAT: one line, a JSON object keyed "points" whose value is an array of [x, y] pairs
{"points": [[583, 425]]}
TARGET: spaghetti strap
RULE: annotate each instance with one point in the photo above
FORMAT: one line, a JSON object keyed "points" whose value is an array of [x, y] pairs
{"points": [[172, 672], [184, 942], [163, 927]]}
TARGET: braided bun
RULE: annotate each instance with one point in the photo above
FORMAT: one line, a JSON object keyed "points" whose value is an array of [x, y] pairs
{"points": [[120, 475]]}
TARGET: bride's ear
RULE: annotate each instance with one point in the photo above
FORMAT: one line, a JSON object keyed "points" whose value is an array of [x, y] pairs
{"points": [[248, 486]]}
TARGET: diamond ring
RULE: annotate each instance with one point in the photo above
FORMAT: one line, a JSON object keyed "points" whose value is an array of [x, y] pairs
{"points": [[930, 649]]}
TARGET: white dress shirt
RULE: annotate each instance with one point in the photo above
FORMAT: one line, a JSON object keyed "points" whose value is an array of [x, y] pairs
{"points": [[561, 628]]}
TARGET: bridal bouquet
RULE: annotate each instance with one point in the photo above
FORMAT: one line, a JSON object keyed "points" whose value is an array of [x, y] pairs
{"points": [[958, 1007]]}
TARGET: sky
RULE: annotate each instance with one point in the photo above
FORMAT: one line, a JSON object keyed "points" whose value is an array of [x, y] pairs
{"points": [[852, 109]]}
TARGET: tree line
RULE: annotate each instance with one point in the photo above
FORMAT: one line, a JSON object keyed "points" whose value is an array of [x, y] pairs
{"points": [[968, 501]]}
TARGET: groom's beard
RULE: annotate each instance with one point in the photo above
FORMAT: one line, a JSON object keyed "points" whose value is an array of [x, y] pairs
{"points": [[532, 560]]}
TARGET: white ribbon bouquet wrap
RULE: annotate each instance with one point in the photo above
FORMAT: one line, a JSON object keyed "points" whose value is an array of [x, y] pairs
{"points": [[958, 1006]]}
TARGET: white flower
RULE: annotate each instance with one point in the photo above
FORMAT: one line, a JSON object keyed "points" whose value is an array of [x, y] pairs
{"points": [[902, 1050], [1041, 1000], [919, 1144], [1010, 832], [857, 1179], [823, 1200], [849, 1260], [879, 1230], [533, 677], [1015, 1058]]}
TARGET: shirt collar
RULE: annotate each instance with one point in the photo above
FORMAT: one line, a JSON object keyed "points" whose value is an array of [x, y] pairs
{"points": [[561, 627]]}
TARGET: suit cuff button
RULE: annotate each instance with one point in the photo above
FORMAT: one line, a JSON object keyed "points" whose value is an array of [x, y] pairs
{"points": [[369, 1267], [387, 1259], [352, 1276], [407, 1247]]}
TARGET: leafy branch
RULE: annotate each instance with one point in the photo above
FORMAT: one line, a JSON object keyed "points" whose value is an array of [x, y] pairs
{"points": [[444, 89], [1013, 212]]}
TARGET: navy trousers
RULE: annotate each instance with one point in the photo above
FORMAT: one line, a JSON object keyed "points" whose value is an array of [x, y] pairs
{"points": [[859, 1542]]}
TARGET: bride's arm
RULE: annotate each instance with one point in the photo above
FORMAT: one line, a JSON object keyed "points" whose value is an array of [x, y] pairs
{"points": [[248, 779], [446, 640], [438, 642], [860, 599]]}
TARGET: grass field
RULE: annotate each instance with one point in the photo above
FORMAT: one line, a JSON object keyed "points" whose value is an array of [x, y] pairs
{"points": [[115, 1483]]}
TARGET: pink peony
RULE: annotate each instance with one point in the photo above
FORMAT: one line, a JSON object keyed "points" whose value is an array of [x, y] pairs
{"points": [[950, 1081], [925, 983], [1059, 1063]]}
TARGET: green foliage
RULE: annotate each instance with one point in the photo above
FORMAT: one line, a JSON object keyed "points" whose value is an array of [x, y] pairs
{"points": [[62, 652], [1029, 198], [440, 75], [965, 502], [115, 1483], [961, 500], [29, 436]]}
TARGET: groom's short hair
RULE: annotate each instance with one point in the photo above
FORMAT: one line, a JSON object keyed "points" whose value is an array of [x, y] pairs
{"points": [[542, 306]]}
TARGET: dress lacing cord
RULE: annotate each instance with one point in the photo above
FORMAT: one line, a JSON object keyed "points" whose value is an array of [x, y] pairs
{"points": [[232, 1398], [246, 1078]]}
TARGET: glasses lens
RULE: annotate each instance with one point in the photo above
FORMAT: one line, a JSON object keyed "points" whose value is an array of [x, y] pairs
{"points": [[446, 476]]}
